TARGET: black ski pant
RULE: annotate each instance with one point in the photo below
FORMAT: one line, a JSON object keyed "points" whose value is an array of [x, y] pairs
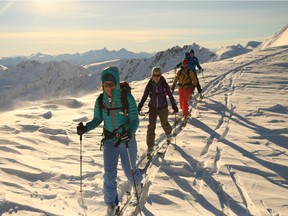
{"points": [[199, 89]]}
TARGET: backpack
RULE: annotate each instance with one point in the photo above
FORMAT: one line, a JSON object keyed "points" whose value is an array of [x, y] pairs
{"points": [[186, 74], [125, 89]]}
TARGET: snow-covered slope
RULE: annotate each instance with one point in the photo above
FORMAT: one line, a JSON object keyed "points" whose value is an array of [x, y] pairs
{"points": [[230, 159], [32, 80], [278, 39]]}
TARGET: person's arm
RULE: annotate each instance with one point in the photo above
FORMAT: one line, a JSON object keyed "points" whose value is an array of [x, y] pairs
{"points": [[169, 93], [176, 78], [96, 121], [178, 65], [144, 97], [197, 63]]}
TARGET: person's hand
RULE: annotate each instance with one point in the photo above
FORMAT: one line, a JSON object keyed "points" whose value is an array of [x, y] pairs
{"points": [[175, 108], [125, 136], [81, 129]]}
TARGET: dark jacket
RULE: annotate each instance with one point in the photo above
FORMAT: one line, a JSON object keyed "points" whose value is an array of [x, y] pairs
{"points": [[157, 93], [193, 62]]}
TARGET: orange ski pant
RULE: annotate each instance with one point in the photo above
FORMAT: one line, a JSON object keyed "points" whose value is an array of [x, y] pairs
{"points": [[184, 95]]}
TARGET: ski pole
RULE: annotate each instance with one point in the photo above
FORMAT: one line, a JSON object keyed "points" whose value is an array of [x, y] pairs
{"points": [[81, 163], [132, 172], [175, 131], [203, 77]]}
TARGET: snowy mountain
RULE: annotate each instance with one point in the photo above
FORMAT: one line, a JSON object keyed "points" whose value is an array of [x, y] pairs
{"points": [[138, 69], [33, 80], [280, 38], [3, 68], [89, 57], [230, 51], [252, 45], [230, 159]]}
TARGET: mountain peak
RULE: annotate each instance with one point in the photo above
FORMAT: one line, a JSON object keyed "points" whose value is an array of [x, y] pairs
{"points": [[280, 38]]}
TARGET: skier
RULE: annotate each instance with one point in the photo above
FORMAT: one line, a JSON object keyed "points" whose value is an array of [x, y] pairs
{"points": [[119, 129], [157, 89], [192, 63], [187, 81]]}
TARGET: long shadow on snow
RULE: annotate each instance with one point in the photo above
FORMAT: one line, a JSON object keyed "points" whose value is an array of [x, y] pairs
{"points": [[281, 170], [265, 133], [211, 182], [185, 186]]}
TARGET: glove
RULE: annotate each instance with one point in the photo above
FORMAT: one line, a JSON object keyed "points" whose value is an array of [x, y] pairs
{"points": [[172, 88], [81, 129], [175, 108], [125, 136], [200, 70]]}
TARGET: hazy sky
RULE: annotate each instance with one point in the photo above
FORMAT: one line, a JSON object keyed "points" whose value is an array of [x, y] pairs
{"points": [[56, 27]]}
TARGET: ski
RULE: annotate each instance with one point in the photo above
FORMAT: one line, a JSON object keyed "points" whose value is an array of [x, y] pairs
{"points": [[121, 209], [184, 121], [145, 163], [164, 147]]}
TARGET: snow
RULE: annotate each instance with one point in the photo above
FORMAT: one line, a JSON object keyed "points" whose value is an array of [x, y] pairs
{"points": [[230, 159], [280, 38]]}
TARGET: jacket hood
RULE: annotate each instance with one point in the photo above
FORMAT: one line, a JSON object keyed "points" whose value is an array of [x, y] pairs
{"points": [[114, 72], [187, 55]]}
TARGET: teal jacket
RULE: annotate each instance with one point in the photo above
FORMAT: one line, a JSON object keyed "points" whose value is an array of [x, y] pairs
{"points": [[115, 118]]}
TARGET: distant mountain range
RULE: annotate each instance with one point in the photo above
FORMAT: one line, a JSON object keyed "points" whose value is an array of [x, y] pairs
{"points": [[89, 57], [234, 50]]}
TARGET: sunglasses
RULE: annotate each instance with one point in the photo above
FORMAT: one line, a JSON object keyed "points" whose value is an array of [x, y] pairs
{"points": [[156, 75], [109, 85]]}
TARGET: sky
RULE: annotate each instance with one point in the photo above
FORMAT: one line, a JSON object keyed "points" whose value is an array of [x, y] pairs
{"points": [[57, 27]]}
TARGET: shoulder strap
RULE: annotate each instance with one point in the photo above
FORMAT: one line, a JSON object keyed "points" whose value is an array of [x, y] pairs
{"points": [[165, 84], [100, 102]]}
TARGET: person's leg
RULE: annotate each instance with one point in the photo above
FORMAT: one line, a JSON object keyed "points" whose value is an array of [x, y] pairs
{"points": [[180, 92], [163, 115], [199, 89], [186, 96], [132, 144], [110, 155], [150, 137]]}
